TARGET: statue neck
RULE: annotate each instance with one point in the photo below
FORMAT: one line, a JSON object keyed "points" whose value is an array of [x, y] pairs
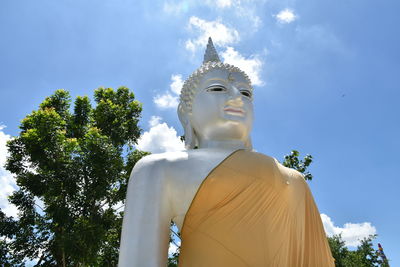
{"points": [[223, 144]]}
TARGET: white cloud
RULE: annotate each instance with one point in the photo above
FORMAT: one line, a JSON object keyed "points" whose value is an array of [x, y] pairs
{"points": [[245, 11], [286, 16], [170, 99], [176, 84], [176, 7], [172, 248], [154, 121], [39, 205], [7, 181], [224, 36], [351, 232], [221, 34], [223, 3], [160, 138], [3, 148], [251, 66], [166, 101]]}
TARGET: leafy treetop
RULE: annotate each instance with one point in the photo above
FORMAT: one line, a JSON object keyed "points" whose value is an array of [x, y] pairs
{"points": [[72, 168]]}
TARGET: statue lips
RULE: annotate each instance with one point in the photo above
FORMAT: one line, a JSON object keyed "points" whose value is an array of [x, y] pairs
{"points": [[234, 111]]}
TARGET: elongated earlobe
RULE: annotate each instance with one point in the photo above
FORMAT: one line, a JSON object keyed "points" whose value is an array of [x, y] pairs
{"points": [[190, 136]]}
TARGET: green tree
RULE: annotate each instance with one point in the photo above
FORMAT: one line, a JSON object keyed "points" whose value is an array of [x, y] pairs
{"points": [[301, 165], [72, 167], [363, 256], [339, 250]]}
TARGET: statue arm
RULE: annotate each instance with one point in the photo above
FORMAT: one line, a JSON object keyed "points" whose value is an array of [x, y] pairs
{"points": [[145, 228], [316, 248]]}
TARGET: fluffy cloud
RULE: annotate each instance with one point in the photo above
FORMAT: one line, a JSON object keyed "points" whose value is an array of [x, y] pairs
{"points": [[223, 3], [176, 84], [173, 7], [286, 16], [166, 100], [221, 34], [251, 66], [170, 99], [224, 36], [172, 248], [7, 181], [351, 232], [3, 149], [160, 138]]}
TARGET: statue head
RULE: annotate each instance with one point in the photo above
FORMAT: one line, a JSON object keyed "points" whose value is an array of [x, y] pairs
{"points": [[216, 103]]}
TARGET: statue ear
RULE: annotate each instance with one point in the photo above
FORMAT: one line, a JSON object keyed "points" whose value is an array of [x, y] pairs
{"points": [[190, 136]]}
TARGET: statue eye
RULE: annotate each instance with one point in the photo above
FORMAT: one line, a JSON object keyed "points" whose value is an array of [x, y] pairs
{"points": [[246, 93], [216, 88]]}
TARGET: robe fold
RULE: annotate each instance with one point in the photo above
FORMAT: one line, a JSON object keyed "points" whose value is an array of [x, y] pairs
{"points": [[252, 211]]}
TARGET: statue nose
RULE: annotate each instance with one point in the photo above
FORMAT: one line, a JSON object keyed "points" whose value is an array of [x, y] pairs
{"points": [[235, 97]]}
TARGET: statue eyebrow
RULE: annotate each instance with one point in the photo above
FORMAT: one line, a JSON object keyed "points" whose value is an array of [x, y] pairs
{"points": [[242, 83], [216, 79]]}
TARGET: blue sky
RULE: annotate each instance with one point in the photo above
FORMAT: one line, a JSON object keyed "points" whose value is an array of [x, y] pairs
{"points": [[325, 75]]}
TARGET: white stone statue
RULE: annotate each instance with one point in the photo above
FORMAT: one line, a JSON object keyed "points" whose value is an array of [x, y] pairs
{"points": [[216, 111]]}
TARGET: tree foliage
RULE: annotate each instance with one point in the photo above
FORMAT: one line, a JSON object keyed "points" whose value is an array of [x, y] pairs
{"points": [[364, 256], [301, 165], [72, 167]]}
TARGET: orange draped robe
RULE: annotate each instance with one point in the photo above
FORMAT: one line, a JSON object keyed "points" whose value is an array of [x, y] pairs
{"points": [[252, 211]]}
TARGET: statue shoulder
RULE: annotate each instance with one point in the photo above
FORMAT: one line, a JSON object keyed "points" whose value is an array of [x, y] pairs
{"points": [[153, 175], [178, 159], [291, 175], [160, 161]]}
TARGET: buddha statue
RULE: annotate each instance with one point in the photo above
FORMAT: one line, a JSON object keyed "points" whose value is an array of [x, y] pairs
{"points": [[234, 207]]}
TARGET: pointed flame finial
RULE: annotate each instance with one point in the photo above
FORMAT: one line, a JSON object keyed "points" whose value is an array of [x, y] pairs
{"points": [[211, 54]]}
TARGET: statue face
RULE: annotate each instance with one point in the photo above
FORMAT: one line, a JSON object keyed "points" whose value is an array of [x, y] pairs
{"points": [[222, 108]]}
